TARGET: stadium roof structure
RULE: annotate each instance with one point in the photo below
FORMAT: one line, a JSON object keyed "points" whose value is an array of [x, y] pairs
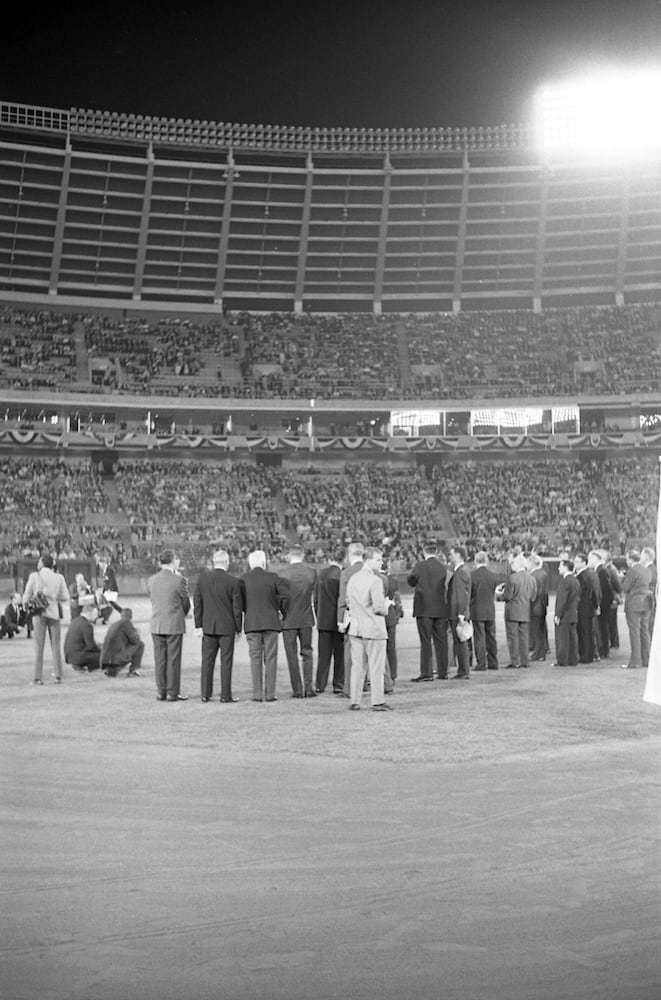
{"points": [[102, 207]]}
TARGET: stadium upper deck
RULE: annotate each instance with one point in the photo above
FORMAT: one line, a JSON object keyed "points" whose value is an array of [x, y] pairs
{"points": [[129, 209]]}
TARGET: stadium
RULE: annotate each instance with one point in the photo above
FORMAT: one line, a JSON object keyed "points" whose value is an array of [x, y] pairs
{"points": [[247, 335]]}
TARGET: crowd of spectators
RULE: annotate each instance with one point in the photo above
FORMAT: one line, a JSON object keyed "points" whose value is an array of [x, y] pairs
{"points": [[233, 502], [467, 355], [54, 506], [395, 507], [549, 506], [306, 356], [37, 348], [632, 486], [142, 350]]}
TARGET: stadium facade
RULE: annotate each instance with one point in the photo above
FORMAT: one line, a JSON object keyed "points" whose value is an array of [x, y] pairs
{"points": [[141, 214]]}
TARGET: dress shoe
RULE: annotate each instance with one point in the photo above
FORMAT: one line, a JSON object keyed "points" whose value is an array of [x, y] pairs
{"points": [[511, 666], [479, 670], [179, 697], [228, 701], [382, 707], [628, 666], [354, 708], [297, 694], [160, 697], [205, 699], [392, 691], [338, 691], [310, 693], [442, 677], [56, 679], [37, 683], [459, 677], [493, 668], [258, 699], [318, 690], [134, 673], [270, 699], [416, 680]]}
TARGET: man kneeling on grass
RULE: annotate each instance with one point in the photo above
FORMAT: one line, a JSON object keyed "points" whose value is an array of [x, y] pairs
{"points": [[368, 606], [80, 647], [122, 646]]}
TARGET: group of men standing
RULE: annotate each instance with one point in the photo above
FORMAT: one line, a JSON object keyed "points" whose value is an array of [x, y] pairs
{"points": [[589, 592], [354, 604]]}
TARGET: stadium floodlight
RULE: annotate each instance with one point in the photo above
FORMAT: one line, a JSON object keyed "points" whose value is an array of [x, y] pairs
{"points": [[606, 116]]}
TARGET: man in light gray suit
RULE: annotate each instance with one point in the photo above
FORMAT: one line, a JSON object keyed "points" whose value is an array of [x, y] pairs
{"points": [[170, 604]]}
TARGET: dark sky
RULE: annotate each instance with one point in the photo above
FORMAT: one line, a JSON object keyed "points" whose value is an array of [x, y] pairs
{"points": [[368, 63]]}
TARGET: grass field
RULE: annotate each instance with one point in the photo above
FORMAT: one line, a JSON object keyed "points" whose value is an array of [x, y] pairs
{"points": [[491, 839]]}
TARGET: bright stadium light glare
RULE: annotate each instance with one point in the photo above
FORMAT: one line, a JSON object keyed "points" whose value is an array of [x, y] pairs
{"points": [[603, 117]]}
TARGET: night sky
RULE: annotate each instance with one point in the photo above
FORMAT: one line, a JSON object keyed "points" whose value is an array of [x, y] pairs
{"points": [[372, 63]]}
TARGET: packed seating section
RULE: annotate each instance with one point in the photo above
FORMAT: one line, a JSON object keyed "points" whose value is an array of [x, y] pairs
{"points": [[65, 507], [602, 350]]}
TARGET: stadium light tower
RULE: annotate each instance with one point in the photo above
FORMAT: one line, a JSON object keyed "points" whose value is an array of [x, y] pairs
{"points": [[604, 117]]}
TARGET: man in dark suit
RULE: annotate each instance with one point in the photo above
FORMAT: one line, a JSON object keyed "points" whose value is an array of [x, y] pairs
{"points": [[616, 587], [265, 598], [298, 622], [355, 551], [122, 646], [606, 596], [588, 605], [10, 620], [330, 641], [81, 649], [538, 607], [459, 597], [483, 612], [395, 612], [218, 612], [637, 609], [109, 590], [170, 604], [430, 610], [566, 615]]}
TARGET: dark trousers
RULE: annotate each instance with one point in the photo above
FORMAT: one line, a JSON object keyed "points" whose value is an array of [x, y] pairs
{"points": [[538, 637], [167, 663], [613, 628], [330, 645], [433, 632], [6, 629], [485, 645], [391, 650], [295, 639], [566, 644], [133, 656], [91, 660], [263, 652], [602, 623], [585, 639], [210, 646], [462, 656]]}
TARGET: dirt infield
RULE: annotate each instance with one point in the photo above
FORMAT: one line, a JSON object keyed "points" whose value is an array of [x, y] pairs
{"points": [[490, 839]]}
